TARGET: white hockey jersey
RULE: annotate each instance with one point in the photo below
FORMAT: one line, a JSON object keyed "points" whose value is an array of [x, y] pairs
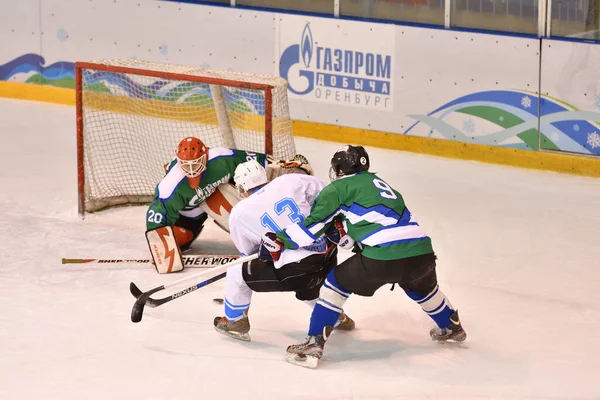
{"points": [[284, 201]]}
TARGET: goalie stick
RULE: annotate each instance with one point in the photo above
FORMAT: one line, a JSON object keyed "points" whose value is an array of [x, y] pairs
{"points": [[143, 298], [191, 261]]}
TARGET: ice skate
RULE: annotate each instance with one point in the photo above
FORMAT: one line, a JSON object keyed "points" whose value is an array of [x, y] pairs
{"points": [[454, 332], [235, 329], [309, 353], [344, 323]]}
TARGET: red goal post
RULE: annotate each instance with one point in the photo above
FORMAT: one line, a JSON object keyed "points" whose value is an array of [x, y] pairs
{"points": [[131, 115]]}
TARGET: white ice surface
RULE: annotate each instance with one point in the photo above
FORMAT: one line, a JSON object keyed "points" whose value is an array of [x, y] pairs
{"points": [[518, 256]]}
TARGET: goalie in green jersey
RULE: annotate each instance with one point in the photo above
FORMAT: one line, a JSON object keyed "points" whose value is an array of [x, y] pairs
{"points": [[198, 184], [371, 218]]}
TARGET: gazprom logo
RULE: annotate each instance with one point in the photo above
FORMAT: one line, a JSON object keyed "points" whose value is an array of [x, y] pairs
{"points": [[337, 73], [307, 45]]}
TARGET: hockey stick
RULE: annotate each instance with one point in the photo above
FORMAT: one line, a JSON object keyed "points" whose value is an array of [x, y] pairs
{"points": [[191, 261], [152, 303], [143, 298]]}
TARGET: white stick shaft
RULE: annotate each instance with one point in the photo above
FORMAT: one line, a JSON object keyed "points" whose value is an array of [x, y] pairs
{"points": [[193, 260], [213, 271]]}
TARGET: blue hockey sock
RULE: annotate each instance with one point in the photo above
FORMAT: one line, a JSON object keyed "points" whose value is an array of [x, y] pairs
{"points": [[329, 306], [436, 305]]}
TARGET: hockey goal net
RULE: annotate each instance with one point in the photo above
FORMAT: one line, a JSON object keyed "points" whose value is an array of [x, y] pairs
{"points": [[131, 115]]}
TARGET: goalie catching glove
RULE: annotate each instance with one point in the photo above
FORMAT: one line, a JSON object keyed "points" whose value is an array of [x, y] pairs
{"points": [[336, 234], [298, 164]]}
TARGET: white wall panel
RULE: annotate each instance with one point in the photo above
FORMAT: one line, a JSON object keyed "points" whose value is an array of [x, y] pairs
{"points": [[571, 96], [475, 88], [19, 35], [177, 33]]}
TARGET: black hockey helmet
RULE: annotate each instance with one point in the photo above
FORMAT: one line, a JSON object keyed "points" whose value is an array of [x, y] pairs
{"points": [[348, 160]]}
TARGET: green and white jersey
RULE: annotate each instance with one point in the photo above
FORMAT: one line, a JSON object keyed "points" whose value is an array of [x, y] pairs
{"points": [[174, 196], [375, 216]]}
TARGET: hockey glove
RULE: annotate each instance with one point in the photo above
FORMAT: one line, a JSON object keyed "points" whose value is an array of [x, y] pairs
{"points": [[301, 162], [336, 233], [270, 247], [298, 164]]}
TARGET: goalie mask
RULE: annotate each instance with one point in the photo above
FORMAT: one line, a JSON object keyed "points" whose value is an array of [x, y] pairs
{"points": [[347, 161], [192, 155], [249, 175]]}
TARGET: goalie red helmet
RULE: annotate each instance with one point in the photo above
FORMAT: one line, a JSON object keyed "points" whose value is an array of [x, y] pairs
{"points": [[192, 155]]}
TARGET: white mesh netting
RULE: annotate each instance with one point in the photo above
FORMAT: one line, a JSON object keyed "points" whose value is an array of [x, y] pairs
{"points": [[132, 123]]}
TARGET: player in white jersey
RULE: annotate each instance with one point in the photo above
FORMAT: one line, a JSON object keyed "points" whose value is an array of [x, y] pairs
{"points": [[268, 208]]}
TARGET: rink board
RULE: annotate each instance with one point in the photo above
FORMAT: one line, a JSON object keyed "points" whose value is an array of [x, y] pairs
{"points": [[455, 94]]}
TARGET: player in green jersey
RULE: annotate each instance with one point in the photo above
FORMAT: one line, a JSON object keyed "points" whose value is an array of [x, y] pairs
{"points": [[192, 178], [389, 244]]}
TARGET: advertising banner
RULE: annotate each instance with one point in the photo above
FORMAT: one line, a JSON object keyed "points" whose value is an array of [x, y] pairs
{"points": [[343, 63]]}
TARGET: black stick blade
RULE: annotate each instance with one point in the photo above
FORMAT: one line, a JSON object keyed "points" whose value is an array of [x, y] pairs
{"points": [[134, 290], [138, 310], [142, 298]]}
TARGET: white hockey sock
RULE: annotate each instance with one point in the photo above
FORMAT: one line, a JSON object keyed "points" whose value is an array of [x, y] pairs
{"points": [[311, 303], [237, 294]]}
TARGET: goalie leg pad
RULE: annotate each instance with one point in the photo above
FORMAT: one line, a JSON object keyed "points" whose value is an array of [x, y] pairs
{"points": [[164, 250], [219, 204], [183, 237]]}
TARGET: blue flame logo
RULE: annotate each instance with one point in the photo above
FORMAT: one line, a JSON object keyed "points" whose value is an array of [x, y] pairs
{"points": [[302, 81], [306, 45]]}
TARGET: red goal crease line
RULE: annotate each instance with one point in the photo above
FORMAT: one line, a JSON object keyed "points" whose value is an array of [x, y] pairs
{"points": [[192, 261]]}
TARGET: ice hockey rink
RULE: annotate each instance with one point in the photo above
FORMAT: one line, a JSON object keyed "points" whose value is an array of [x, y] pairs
{"points": [[518, 256]]}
